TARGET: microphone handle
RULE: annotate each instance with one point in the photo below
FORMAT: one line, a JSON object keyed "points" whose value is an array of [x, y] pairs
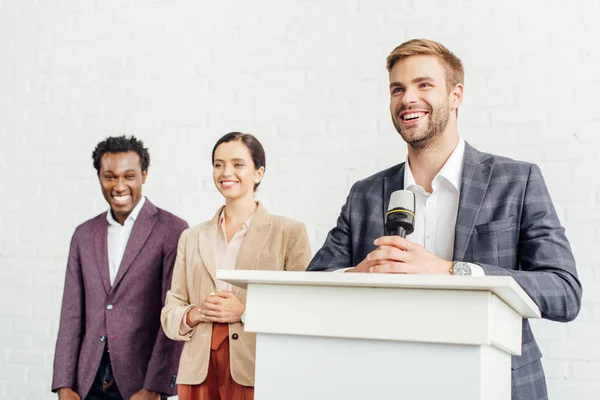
{"points": [[399, 231]]}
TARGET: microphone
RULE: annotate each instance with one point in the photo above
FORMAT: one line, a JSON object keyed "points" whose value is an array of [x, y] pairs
{"points": [[400, 217]]}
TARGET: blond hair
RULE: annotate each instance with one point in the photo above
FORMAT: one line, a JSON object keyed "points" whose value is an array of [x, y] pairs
{"points": [[455, 72]]}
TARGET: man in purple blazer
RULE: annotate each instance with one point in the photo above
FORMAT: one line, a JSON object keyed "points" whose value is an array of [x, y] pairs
{"points": [[110, 344]]}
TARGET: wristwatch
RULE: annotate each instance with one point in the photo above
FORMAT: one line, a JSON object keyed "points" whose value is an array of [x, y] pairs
{"points": [[460, 268], [243, 317]]}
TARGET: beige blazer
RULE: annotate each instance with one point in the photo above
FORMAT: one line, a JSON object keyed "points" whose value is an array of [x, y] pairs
{"points": [[272, 242]]}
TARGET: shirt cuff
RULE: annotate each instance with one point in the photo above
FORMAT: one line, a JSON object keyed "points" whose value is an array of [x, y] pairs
{"points": [[184, 328], [476, 270]]}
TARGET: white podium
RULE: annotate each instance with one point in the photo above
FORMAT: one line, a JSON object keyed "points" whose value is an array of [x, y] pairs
{"points": [[376, 336]]}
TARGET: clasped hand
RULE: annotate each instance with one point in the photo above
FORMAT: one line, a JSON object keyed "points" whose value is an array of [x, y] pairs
{"points": [[222, 307], [396, 255]]}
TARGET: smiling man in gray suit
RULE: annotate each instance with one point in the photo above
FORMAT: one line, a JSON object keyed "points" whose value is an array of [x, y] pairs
{"points": [[476, 213], [110, 343]]}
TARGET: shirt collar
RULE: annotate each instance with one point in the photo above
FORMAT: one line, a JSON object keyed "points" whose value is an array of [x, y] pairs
{"points": [[245, 225], [132, 216], [451, 171]]}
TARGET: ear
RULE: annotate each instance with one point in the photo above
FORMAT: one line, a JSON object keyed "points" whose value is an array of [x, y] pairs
{"points": [[259, 173], [456, 96], [144, 175]]}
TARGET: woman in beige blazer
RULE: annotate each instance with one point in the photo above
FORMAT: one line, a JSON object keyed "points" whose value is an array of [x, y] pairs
{"points": [[218, 357]]}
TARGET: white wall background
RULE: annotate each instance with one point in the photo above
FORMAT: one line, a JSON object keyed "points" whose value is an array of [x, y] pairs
{"points": [[308, 78]]}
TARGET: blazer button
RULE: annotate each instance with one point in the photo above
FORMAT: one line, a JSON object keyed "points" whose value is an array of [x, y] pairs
{"points": [[235, 336], [109, 307], [102, 338]]}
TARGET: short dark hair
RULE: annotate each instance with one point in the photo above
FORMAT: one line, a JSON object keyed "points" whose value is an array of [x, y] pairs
{"points": [[257, 152], [121, 144]]}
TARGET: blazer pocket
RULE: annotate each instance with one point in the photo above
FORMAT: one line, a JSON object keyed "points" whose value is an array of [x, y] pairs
{"points": [[530, 353], [497, 226]]}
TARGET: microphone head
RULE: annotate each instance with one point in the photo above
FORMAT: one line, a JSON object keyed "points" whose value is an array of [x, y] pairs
{"points": [[400, 216], [402, 199]]}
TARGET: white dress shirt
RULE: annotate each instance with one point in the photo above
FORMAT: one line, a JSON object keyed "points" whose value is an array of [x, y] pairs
{"points": [[118, 236], [435, 212]]}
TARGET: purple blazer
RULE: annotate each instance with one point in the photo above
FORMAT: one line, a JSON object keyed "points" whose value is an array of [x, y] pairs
{"points": [[127, 315]]}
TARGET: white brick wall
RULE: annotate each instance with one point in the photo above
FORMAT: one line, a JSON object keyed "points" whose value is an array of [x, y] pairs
{"points": [[308, 78]]}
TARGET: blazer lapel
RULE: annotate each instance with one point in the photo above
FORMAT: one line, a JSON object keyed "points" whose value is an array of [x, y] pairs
{"points": [[207, 243], [390, 185], [253, 243], [476, 174], [255, 239], [139, 234], [101, 249]]}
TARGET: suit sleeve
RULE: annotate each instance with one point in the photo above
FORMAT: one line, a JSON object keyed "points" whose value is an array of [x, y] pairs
{"points": [[298, 253], [336, 252], [177, 301], [164, 361], [547, 267], [72, 323]]}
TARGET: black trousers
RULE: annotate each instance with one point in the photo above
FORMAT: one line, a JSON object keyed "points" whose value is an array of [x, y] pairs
{"points": [[104, 386]]}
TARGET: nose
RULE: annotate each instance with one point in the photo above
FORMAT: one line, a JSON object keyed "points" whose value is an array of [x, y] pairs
{"points": [[228, 170], [411, 96], [120, 185]]}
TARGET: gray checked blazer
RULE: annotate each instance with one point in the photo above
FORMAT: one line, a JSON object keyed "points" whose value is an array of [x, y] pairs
{"points": [[506, 223]]}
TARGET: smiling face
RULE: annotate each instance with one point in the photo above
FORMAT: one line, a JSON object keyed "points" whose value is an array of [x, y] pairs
{"points": [[234, 172], [420, 104], [121, 179]]}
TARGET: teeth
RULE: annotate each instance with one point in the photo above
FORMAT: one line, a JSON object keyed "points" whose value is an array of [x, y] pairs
{"points": [[228, 184], [412, 115], [121, 199]]}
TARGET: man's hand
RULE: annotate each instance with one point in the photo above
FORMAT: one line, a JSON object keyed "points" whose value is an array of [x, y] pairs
{"points": [[67, 394], [145, 394], [222, 307], [396, 255], [365, 265]]}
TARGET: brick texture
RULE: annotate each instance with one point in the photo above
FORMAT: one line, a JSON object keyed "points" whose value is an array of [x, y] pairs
{"points": [[308, 78]]}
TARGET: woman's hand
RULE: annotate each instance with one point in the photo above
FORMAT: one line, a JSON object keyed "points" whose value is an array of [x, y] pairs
{"points": [[222, 307]]}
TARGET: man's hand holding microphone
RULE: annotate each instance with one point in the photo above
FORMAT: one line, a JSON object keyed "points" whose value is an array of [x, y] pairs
{"points": [[394, 253]]}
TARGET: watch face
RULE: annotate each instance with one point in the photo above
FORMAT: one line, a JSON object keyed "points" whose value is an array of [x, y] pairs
{"points": [[461, 269]]}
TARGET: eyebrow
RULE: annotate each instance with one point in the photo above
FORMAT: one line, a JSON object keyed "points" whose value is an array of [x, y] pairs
{"points": [[110, 171], [416, 80], [233, 159]]}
